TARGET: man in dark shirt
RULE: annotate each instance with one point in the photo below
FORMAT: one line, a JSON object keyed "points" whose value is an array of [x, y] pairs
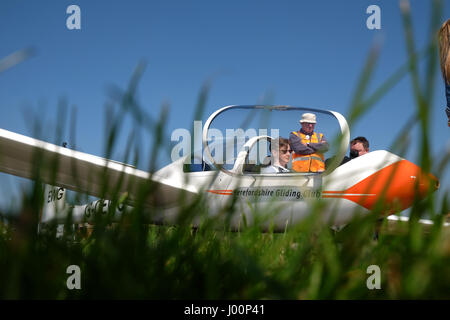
{"points": [[358, 147]]}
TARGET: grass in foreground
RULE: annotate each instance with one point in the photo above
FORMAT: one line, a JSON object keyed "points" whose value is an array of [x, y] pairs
{"points": [[131, 260]]}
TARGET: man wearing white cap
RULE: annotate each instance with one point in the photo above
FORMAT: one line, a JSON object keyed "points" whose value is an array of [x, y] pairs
{"points": [[308, 146]]}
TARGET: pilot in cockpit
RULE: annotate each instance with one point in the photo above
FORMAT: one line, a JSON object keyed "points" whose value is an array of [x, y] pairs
{"points": [[280, 156]]}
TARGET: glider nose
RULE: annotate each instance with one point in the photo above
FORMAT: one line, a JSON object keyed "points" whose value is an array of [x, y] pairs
{"points": [[427, 183], [409, 183], [395, 187]]}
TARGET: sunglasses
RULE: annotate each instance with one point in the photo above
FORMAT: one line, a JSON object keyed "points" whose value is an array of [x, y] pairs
{"points": [[286, 151]]}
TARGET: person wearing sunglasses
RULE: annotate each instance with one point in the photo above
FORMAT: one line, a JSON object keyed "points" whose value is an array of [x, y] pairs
{"points": [[280, 156], [358, 147]]}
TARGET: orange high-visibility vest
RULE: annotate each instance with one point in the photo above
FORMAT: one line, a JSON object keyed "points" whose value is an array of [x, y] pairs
{"points": [[314, 162]]}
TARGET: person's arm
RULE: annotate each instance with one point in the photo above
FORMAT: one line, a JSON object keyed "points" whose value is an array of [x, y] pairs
{"points": [[448, 115], [447, 94], [298, 146], [321, 147]]}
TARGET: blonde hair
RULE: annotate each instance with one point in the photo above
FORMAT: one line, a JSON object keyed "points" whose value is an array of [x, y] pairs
{"points": [[444, 50]]}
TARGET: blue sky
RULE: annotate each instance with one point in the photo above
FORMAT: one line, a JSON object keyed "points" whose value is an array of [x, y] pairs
{"points": [[301, 53]]}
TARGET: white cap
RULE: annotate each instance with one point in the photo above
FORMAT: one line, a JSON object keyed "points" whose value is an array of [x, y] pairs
{"points": [[308, 117]]}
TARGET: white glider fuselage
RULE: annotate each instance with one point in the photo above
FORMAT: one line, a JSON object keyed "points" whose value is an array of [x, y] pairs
{"points": [[276, 200], [353, 188]]}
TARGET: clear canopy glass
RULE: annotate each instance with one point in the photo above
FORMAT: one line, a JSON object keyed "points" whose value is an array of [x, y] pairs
{"points": [[251, 128]]}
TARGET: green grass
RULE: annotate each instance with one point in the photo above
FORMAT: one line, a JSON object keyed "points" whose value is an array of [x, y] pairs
{"points": [[135, 260]]}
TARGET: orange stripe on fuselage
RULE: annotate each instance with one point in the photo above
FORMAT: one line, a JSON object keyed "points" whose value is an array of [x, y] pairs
{"points": [[224, 192], [342, 191]]}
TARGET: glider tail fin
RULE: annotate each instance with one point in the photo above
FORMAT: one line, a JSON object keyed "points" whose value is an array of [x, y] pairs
{"points": [[54, 203]]}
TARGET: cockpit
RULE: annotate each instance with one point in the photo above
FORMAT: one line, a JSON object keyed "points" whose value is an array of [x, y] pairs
{"points": [[257, 140]]}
